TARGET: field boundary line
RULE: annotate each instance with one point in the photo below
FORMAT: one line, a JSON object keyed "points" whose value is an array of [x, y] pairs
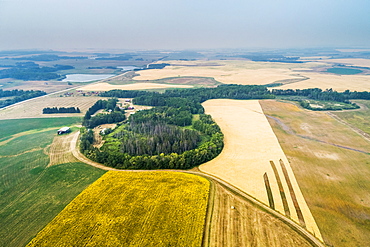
{"points": [[209, 215]]}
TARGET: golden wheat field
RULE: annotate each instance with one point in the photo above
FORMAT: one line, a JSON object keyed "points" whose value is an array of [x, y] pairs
{"points": [[33, 108], [251, 154], [103, 86], [133, 209], [232, 71]]}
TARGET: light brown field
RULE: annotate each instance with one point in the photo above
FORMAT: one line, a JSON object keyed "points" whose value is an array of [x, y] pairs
{"points": [[250, 145], [60, 151], [231, 71], [136, 86], [333, 180], [33, 108], [261, 73], [247, 225], [336, 82], [350, 61], [47, 86]]}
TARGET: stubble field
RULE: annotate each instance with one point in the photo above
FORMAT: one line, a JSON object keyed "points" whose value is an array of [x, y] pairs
{"points": [[237, 222]]}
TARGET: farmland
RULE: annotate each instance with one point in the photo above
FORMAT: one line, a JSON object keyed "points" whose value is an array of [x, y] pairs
{"points": [[237, 222], [236, 71], [136, 86], [294, 76], [33, 108], [31, 194], [133, 209], [249, 153], [330, 162]]}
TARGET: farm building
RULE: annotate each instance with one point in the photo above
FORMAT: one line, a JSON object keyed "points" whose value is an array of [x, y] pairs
{"points": [[64, 130]]}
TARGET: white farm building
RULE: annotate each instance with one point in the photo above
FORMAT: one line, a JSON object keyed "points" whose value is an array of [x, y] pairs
{"points": [[64, 130]]}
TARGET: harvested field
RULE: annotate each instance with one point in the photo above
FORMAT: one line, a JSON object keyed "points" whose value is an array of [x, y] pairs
{"points": [[47, 86], [135, 86], [237, 222], [250, 146], [60, 151], [350, 61], [261, 73], [33, 108], [236, 71], [336, 82], [133, 209], [334, 180]]}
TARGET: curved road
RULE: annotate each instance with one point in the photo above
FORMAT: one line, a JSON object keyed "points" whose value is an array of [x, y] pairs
{"points": [[296, 227]]}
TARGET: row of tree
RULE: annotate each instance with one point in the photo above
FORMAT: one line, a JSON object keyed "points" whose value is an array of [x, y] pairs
{"points": [[53, 110], [21, 96], [184, 97], [324, 95]]}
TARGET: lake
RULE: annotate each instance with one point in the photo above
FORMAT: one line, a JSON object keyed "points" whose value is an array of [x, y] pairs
{"points": [[86, 77]]}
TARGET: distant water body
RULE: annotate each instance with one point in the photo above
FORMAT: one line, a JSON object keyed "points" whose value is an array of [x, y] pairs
{"points": [[86, 77], [127, 68]]}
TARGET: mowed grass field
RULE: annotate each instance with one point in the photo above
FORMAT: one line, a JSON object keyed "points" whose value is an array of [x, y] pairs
{"points": [[334, 180], [31, 194], [156, 208]]}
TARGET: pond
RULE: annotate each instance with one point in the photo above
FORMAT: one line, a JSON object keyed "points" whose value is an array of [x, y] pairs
{"points": [[86, 77], [344, 71]]}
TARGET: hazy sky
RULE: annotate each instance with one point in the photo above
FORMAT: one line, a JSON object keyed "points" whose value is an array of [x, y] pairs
{"points": [[182, 24]]}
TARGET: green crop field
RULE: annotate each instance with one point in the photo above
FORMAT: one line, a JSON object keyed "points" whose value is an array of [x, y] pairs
{"points": [[31, 194], [11, 127], [133, 209]]}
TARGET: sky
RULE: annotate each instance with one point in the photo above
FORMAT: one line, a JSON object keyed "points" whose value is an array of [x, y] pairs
{"points": [[183, 24]]}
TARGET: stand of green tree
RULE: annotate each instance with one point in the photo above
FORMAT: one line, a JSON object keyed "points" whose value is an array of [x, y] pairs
{"points": [[52, 110], [157, 145], [192, 96], [32, 71], [319, 94], [20, 95], [114, 115]]}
